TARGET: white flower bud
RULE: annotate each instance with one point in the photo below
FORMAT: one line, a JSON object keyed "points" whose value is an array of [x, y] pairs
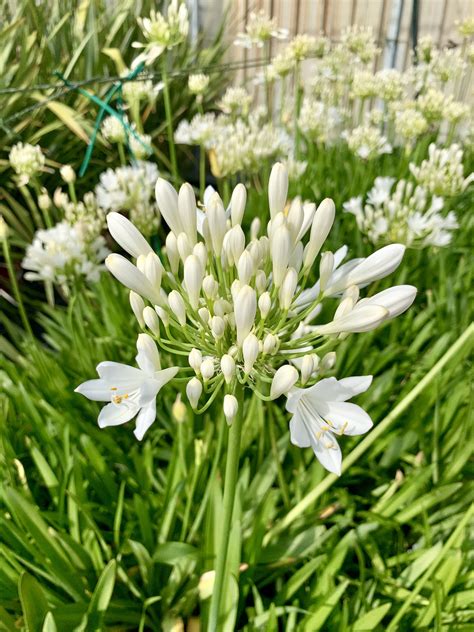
{"points": [[235, 288], [193, 391], [264, 304], [277, 189], [127, 235], [245, 267], [296, 258], [184, 246], [68, 174], [260, 281], [204, 315], [193, 275], [148, 352], [210, 286], [187, 211], [130, 276], [396, 299], [217, 223], [328, 362], [195, 360], [326, 267], [377, 266], [138, 305], [280, 247], [228, 367], [245, 309], [177, 306], [295, 218], [250, 350], [167, 200], [44, 201], [358, 320], [237, 204], [322, 224], [172, 252], [236, 242], [284, 379], [270, 344], [231, 406], [163, 315], [288, 288], [178, 410], [345, 306], [255, 228], [217, 325], [200, 251], [153, 269], [352, 292], [206, 584], [221, 307], [151, 320], [207, 368], [307, 368]]}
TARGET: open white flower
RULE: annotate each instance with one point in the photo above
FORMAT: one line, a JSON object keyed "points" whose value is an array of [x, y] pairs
{"points": [[321, 412], [131, 391]]}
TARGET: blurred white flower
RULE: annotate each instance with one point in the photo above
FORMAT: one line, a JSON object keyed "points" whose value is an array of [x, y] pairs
{"points": [[27, 160], [63, 255]]}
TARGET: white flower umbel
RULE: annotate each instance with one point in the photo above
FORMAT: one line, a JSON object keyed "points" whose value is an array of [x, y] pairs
{"points": [[162, 32], [321, 412], [27, 160], [64, 255], [240, 312], [408, 214], [131, 189], [131, 391], [258, 30], [442, 173]]}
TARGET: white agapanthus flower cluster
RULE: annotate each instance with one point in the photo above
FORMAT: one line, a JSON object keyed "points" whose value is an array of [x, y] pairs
{"points": [[113, 130], [238, 314], [197, 84], [64, 255], [318, 121], [200, 130], [235, 145], [258, 30], [408, 214], [84, 214], [162, 33], [26, 160], [367, 142], [236, 101], [442, 173], [131, 189]]}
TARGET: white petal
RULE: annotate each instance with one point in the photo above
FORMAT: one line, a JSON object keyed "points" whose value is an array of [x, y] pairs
{"points": [[354, 385], [298, 433], [329, 457], [145, 418], [95, 390], [113, 415], [346, 418], [332, 390], [148, 358], [117, 374], [165, 375]]}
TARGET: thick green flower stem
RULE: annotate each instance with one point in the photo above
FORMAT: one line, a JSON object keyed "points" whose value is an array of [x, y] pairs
{"points": [[169, 122], [15, 288], [230, 485]]}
